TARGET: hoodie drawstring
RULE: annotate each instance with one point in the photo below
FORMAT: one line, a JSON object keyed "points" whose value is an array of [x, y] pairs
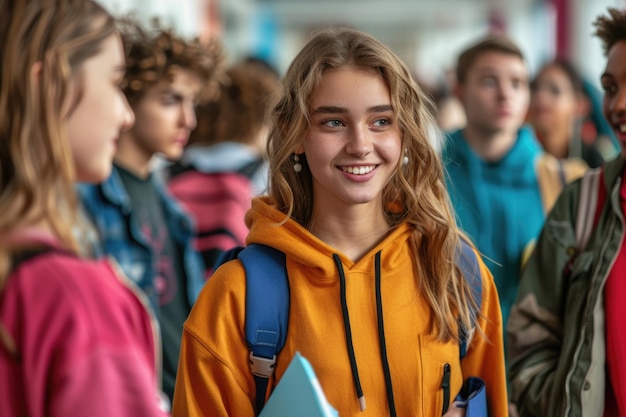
{"points": [[381, 335], [381, 340], [346, 326]]}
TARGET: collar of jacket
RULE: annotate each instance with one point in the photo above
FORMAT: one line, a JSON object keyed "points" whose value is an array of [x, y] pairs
{"points": [[526, 146], [612, 170], [114, 192], [221, 157]]}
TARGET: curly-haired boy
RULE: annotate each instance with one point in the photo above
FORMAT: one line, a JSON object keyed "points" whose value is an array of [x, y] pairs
{"points": [[139, 223]]}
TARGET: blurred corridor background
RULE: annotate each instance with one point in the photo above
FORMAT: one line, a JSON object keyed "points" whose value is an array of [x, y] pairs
{"points": [[427, 34]]}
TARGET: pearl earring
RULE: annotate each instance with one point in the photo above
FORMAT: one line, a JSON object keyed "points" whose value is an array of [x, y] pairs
{"points": [[405, 160], [297, 166]]}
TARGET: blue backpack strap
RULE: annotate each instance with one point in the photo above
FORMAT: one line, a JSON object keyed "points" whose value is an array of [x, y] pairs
{"points": [[468, 263], [267, 306], [267, 311], [225, 256]]}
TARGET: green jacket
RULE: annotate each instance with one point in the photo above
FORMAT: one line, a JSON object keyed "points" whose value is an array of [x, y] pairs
{"points": [[555, 331]]}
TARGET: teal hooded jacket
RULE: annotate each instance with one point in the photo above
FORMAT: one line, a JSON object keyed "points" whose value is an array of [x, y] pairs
{"points": [[498, 204]]}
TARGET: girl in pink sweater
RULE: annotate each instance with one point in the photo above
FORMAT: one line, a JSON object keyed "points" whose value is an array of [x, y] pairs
{"points": [[75, 337]]}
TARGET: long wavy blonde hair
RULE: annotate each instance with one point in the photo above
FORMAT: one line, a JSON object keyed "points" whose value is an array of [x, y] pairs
{"points": [[42, 45], [416, 193]]}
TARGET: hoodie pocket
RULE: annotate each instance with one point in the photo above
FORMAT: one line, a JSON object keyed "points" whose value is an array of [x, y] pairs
{"points": [[441, 375]]}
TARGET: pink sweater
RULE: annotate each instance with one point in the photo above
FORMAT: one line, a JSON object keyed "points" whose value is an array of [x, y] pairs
{"points": [[85, 342]]}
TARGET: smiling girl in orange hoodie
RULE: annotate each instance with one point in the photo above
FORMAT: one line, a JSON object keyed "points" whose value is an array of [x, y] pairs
{"points": [[357, 202]]}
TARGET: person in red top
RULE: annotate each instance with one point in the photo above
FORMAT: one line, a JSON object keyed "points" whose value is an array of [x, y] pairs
{"points": [[75, 337], [567, 345], [615, 310], [613, 35]]}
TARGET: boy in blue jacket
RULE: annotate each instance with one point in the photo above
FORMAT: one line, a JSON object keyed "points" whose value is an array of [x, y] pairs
{"points": [[138, 222]]}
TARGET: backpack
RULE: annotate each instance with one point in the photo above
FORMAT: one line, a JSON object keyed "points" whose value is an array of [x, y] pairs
{"points": [[267, 305], [15, 260], [218, 202], [553, 174], [22, 256]]}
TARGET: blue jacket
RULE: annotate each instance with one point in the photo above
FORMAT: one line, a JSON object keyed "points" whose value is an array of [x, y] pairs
{"points": [[498, 204], [108, 206]]}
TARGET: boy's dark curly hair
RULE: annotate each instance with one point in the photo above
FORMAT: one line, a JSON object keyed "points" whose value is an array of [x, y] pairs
{"points": [[611, 29], [155, 55]]}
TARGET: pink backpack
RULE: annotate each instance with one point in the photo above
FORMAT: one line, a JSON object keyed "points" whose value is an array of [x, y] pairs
{"points": [[218, 203]]}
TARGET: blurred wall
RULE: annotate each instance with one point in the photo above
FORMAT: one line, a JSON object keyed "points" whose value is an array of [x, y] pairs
{"points": [[427, 34], [186, 16]]}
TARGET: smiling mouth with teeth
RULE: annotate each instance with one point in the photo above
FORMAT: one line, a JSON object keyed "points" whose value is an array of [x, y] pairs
{"points": [[359, 170]]}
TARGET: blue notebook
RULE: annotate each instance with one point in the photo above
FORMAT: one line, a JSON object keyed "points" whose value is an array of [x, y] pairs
{"points": [[298, 393]]}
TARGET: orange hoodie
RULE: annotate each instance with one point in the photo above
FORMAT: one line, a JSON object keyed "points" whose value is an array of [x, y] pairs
{"points": [[214, 377]]}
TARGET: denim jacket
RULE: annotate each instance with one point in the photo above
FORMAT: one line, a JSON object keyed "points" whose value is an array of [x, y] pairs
{"points": [[108, 206]]}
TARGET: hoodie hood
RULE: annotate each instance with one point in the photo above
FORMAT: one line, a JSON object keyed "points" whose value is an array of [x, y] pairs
{"points": [[221, 157], [324, 264], [304, 248], [510, 169]]}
